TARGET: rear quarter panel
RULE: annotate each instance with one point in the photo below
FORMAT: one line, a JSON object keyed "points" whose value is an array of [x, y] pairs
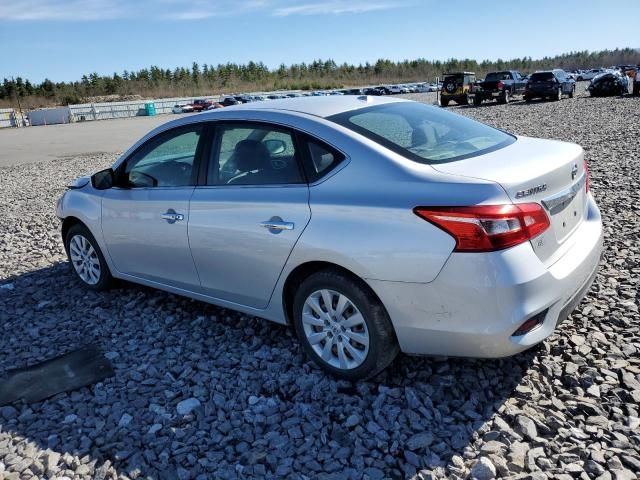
{"points": [[362, 217]]}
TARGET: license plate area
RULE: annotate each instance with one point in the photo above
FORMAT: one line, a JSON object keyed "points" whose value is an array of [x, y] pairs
{"points": [[566, 210]]}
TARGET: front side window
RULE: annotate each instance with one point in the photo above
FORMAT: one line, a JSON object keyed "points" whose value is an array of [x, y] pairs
{"points": [[246, 154], [164, 161], [424, 133]]}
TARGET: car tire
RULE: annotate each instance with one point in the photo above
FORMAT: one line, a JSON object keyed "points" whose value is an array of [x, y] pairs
{"points": [[444, 102], [558, 96], [477, 100], [505, 97], [527, 99], [580, 79], [573, 92], [354, 344], [86, 259]]}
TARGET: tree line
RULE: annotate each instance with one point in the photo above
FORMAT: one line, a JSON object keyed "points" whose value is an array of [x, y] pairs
{"points": [[209, 79]]}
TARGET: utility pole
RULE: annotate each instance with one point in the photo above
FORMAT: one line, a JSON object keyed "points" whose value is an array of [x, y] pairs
{"points": [[19, 106]]}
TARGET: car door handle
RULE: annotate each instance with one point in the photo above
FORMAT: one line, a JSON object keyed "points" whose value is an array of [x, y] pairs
{"points": [[277, 225], [171, 216]]}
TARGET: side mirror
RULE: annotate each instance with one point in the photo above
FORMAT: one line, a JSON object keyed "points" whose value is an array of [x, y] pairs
{"points": [[103, 180], [275, 146]]}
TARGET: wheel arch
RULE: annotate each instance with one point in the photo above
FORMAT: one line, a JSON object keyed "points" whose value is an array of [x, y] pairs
{"points": [[303, 271], [69, 222]]}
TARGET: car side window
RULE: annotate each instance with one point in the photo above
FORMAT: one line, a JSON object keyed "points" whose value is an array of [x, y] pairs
{"points": [[323, 159], [164, 161], [247, 154]]}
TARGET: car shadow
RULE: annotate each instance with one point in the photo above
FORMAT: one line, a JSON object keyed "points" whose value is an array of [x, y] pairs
{"points": [[260, 406]]}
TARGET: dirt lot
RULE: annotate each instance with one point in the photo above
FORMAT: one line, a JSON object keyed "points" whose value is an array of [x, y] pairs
{"points": [[567, 409]]}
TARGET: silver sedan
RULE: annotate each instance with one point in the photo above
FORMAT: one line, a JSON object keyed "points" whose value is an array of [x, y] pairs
{"points": [[371, 225]]}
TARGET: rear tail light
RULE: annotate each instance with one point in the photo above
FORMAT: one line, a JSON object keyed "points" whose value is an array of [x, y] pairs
{"points": [[500, 85], [586, 179], [487, 228]]}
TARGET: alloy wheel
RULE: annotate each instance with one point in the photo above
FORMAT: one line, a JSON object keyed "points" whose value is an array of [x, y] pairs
{"points": [[84, 259], [335, 329]]}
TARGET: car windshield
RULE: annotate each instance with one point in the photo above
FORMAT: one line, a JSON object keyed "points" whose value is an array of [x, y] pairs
{"points": [[424, 133], [542, 77]]}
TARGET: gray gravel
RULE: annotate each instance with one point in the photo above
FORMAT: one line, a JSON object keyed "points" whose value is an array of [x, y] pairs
{"points": [[201, 392]]}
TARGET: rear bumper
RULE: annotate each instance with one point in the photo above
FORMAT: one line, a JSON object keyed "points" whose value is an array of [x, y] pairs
{"points": [[487, 94], [478, 301], [546, 92]]}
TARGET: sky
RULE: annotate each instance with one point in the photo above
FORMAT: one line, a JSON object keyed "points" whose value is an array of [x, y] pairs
{"points": [[64, 39]]}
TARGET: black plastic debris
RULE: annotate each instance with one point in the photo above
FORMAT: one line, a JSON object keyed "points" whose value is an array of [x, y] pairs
{"points": [[67, 372]]}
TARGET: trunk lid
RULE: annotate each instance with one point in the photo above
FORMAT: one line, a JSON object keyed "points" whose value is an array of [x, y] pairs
{"points": [[548, 172]]}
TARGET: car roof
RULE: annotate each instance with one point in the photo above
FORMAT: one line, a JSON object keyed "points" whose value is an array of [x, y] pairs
{"points": [[325, 106]]}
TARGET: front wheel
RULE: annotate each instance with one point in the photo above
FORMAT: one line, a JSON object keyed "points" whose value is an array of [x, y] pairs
{"points": [[477, 100], [342, 326], [444, 102], [573, 92], [86, 259], [559, 94]]}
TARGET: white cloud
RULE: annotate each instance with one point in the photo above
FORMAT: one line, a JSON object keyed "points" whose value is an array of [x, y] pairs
{"points": [[92, 10], [335, 8], [76, 10]]}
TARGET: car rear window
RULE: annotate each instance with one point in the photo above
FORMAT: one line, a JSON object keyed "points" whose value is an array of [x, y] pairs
{"points": [[542, 77], [496, 76], [423, 133]]}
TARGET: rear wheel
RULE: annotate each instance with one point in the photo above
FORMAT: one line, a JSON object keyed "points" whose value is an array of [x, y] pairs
{"points": [[86, 259], [444, 102], [477, 100], [636, 88], [527, 99], [559, 94], [342, 326], [573, 92], [505, 97]]}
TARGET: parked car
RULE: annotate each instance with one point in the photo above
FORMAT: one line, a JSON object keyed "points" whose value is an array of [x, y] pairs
{"points": [[229, 101], [636, 81], [201, 105], [456, 87], [481, 245], [499, 86], [374, 91], [182, 108], [243, 98], [550, 84], [608, 83], [426, 87], [588, 74], [393, 89]]}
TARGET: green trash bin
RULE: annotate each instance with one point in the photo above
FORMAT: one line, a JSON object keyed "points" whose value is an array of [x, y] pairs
{"points": [[150, 108]]}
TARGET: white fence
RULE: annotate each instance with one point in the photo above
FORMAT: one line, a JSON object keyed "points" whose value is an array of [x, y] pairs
{"points": [[103, 111], [7, 118], [49, 116]]}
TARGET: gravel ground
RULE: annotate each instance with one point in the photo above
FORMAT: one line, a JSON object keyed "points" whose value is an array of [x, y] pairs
{"points": [[202, 392]]}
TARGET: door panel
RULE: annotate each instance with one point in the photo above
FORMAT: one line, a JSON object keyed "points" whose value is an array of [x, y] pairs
{"points": [[141, 242], [238, 259]]}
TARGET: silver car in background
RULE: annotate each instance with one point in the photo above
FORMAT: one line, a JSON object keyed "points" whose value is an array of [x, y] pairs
{"points": [[371, 225]]}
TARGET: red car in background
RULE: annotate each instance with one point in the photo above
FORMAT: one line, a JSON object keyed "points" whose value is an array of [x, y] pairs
{"points": [[201, 105]]}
